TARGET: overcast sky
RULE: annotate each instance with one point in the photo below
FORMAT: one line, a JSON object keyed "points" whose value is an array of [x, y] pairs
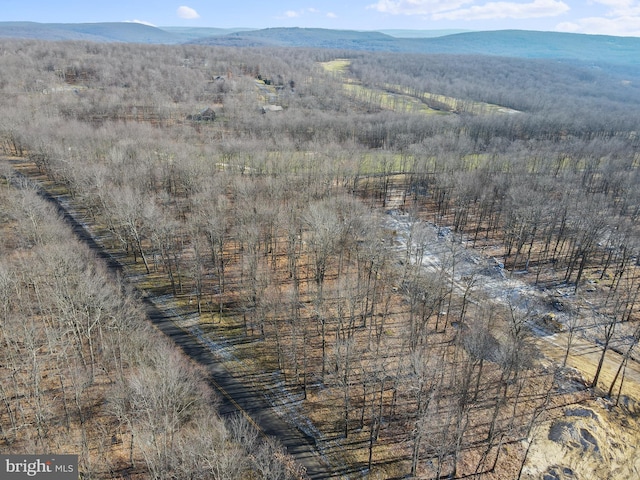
{"points": [[611, 17]]}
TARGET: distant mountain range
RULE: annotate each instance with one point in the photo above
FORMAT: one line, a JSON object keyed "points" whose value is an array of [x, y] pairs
{"points": [[597, 49], [95, 32]]}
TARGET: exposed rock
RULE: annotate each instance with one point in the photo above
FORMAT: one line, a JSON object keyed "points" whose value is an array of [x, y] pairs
{"points": [[556, 472], [569, 435], [581, 412]]}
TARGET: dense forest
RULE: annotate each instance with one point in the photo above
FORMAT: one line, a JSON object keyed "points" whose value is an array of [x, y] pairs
{"points": [[383, 241]]}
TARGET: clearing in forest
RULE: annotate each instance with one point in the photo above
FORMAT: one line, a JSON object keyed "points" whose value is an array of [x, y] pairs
{"points": [[404, 99]]}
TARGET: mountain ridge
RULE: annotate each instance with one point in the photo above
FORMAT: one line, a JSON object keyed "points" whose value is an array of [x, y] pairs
{"points": [[596, 49], [127, 32], [508, 43]]}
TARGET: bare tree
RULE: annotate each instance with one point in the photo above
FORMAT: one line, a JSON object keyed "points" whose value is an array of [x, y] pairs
{"points": [[158, 400]]}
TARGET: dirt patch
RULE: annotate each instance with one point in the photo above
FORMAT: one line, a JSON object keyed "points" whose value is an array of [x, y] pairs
{"points": [[591, 441]]}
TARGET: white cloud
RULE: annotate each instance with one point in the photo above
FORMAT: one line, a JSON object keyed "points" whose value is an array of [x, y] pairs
{"points": [[332, 15], [468, 10], [622, 18], [187, 13], [620, 26], [500, 10], [620, 8], [142, 22], [302, 12], [417, 7]]}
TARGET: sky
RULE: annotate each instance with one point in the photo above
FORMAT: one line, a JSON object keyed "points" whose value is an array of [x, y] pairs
{"points": [[608, 17]]}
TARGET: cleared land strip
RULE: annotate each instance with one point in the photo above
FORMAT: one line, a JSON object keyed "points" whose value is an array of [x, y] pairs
{"points": [[404, 99], [493, 285], [236, 397]]}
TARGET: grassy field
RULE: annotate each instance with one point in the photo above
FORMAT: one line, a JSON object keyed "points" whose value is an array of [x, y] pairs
{"points": [[402, 99]]}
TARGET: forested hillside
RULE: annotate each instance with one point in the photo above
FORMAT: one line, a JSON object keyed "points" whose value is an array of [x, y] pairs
{"points": [[590, 49], [594, 51], [405, 254], [84, 373]]}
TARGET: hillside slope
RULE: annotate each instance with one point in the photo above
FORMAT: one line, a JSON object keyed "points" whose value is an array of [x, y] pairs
{"points": [[95, 32], [532, 44], [508, 43], [592, 49]]}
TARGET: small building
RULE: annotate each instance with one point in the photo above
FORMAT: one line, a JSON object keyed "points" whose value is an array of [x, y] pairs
{"points": [[206, 115], [271, 108]]}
